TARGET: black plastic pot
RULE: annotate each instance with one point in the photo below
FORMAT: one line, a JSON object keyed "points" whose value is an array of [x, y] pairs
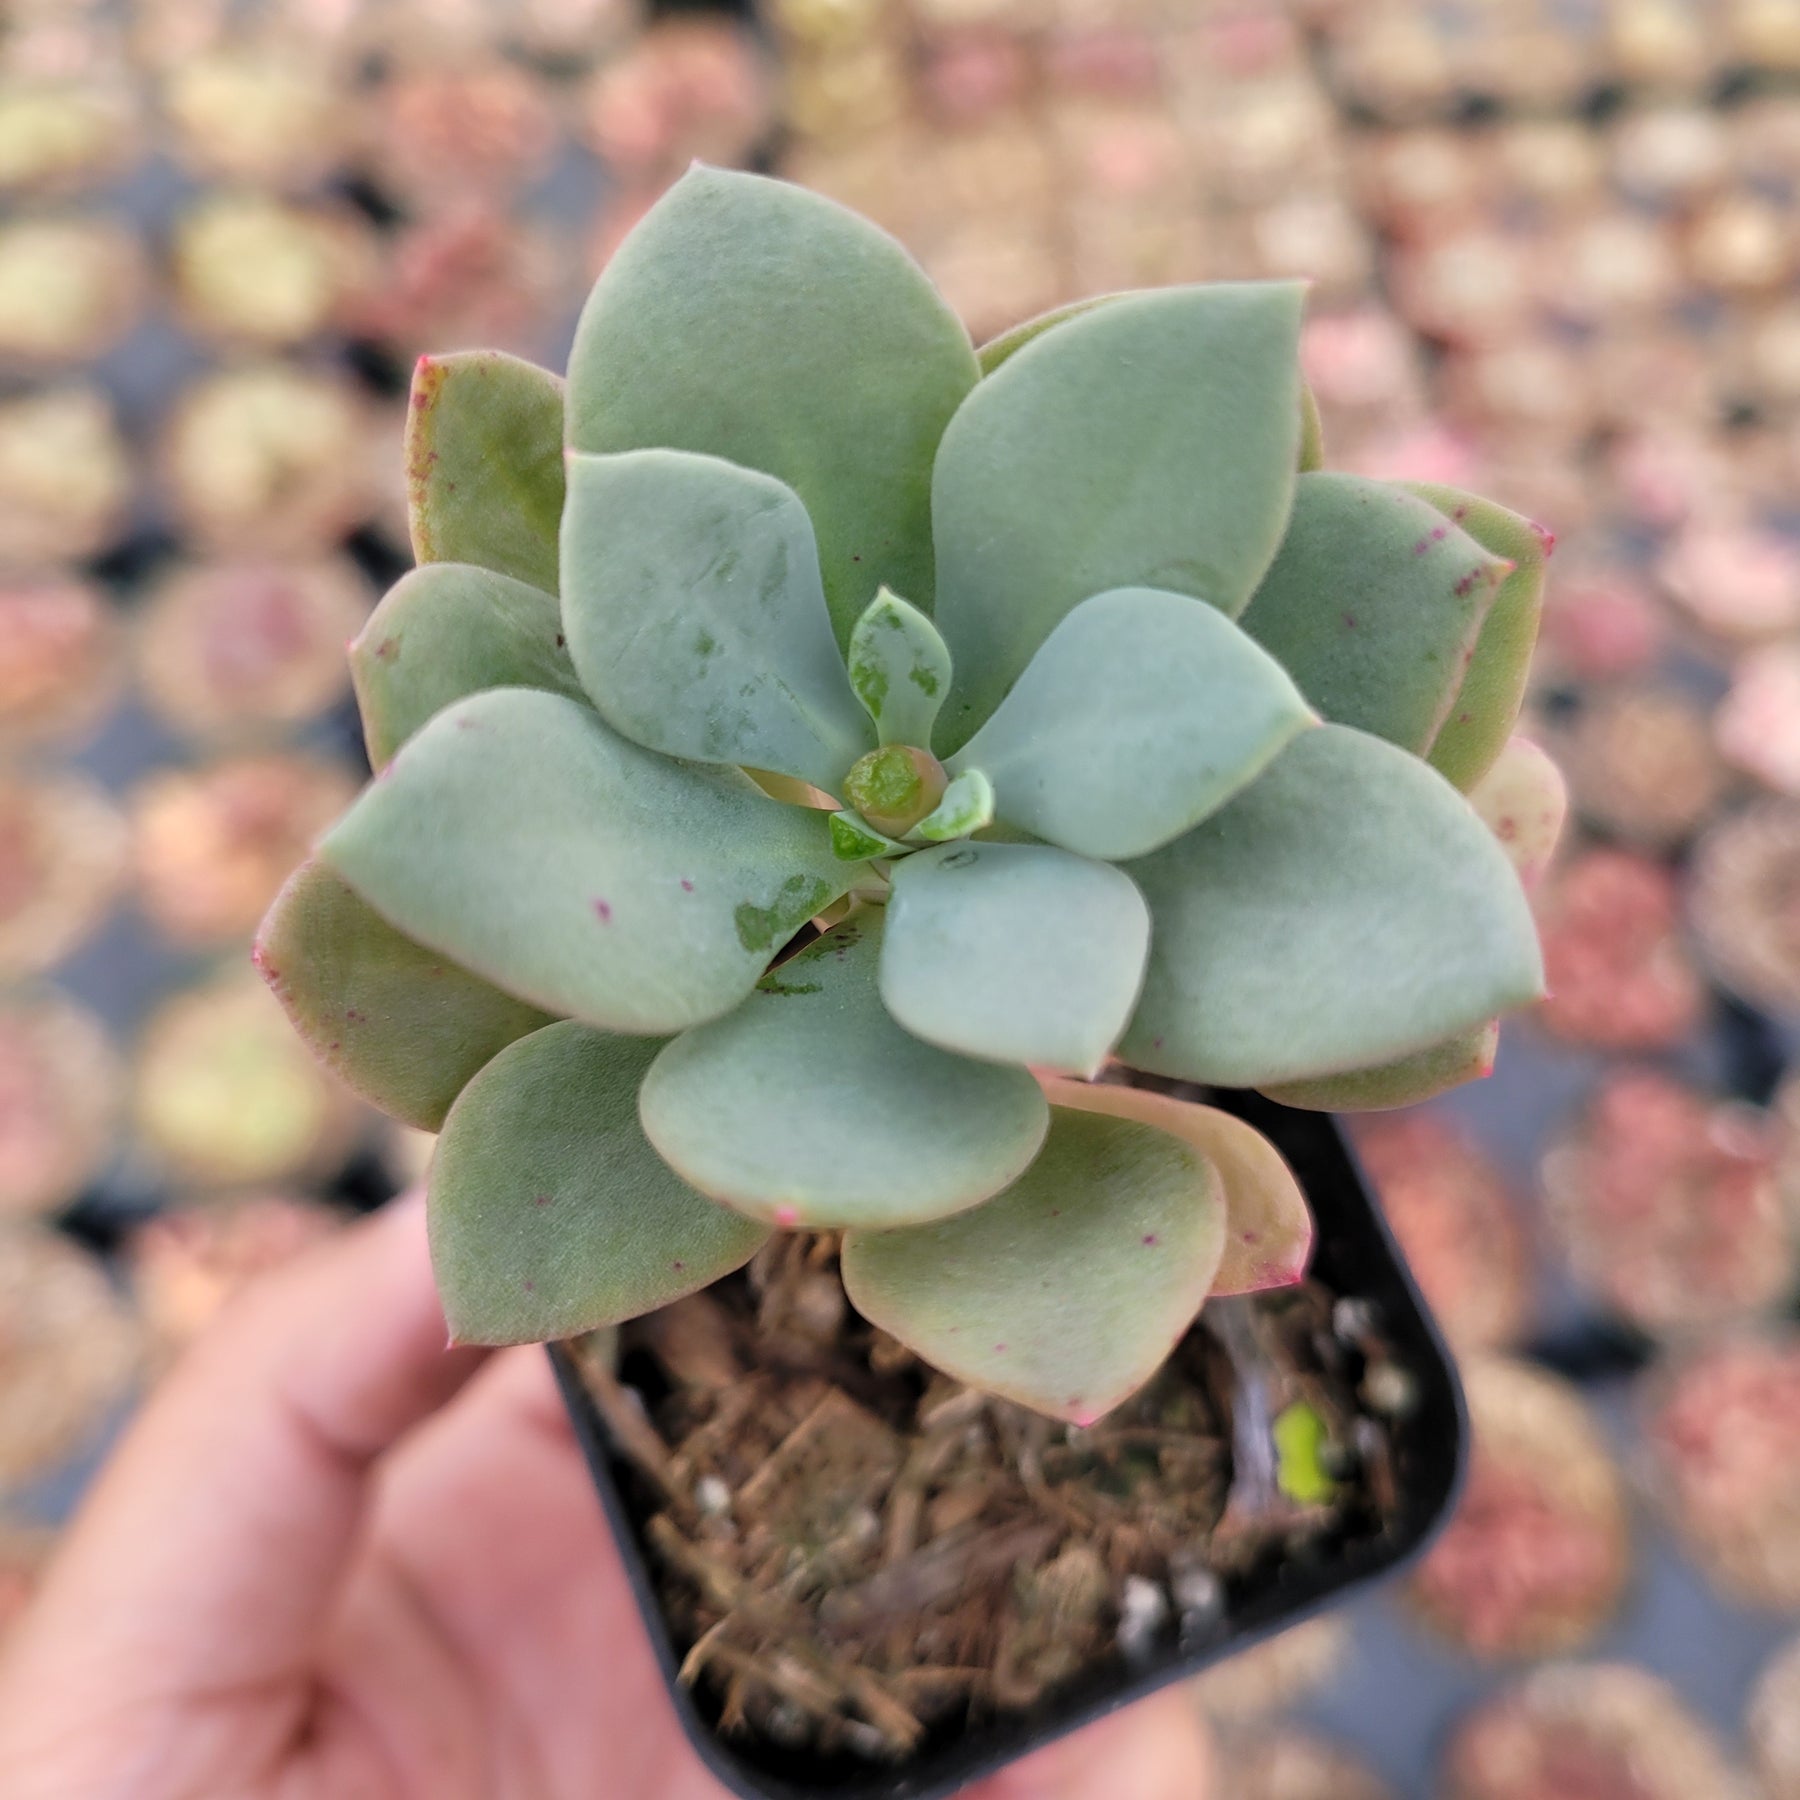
{"points": [[1354, 1255]]}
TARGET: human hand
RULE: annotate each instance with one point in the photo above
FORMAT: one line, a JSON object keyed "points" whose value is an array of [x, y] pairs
{"points": [[316, 1570]]}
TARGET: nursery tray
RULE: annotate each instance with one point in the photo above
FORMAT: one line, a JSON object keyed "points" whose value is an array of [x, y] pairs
{"points": [[1354, 1255]]}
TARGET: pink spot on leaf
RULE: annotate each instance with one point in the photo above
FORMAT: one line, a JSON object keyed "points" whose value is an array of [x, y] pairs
{"points": [[542, 1199], [1150, 1239], [687, 887], [603, 912]]}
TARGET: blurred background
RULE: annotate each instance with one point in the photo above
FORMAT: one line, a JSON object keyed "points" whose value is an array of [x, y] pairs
{"points": [[1555, 248]]}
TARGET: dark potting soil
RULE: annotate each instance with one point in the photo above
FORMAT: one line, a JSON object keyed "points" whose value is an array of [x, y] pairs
{"points": [[856, 1552]]}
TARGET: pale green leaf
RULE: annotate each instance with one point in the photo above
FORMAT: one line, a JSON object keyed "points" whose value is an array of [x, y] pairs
{"points": [[1436, 1070], [1066, 1292], [1141, 713], [484, 470], [1347, 908], [748, 319], [445, 631], [1479, 721], [695, 617], [401, 1025], [809, 1107], [1009, 343], [1373, 605], [549, 1212], [1268, 1225], [899, 669], [1524, 802], [1150, 442], [1312, 433], [1014, 953], [967, 807], [853, 839], [520, 835]]}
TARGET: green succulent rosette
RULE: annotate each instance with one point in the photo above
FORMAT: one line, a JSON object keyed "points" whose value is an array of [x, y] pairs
{"points": [[1077, 719]]}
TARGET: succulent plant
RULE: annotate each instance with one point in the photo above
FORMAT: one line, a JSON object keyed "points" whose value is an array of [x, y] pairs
{"points": [[789, 797]]}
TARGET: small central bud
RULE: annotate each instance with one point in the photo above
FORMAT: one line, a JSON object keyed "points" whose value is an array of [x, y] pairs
{"points": [[895, 787]]}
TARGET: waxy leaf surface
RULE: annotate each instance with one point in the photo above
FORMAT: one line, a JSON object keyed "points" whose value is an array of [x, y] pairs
{"points": [[967, 807], [1405, 1082], [1002, 349], [1142, 712], [484, 469], [900, 670], [1347, 908], [1481, 717], [1268, 1225], [749, 319], [1524, 802], [403, 1026], [695, 617], [448, 630], [549, 1212], [1066, 1292], [1015, 953], [520, 835], [1149, 442], [1008, 344], [1373, 606], [809, 1107]]}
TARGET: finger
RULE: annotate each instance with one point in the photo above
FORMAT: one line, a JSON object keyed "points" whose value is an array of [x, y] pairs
{"points": [[491, 1512], [1155, 1750], [207, 1556]]}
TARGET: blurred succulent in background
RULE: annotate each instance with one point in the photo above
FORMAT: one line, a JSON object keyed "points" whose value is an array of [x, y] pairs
{"points": [[787, 802]]}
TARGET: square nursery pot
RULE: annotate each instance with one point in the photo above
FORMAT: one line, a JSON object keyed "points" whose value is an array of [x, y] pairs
{"points": [[1354, 1257]]}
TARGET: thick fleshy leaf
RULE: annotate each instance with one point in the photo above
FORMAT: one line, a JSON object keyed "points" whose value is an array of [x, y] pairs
{"points": [[1149, 442], [1524, 802], [1141, 713], [1008, 344], [404, 1027], [752, 320], [695, 617], [550, 1214], [484, 469], [1373, 605], [519, 834], [1347, 908], [1268, 1225], [967, 807], [853, 839], [1466, 1057], [900, 670], [447, 630], [1476, 728], [1066, 1292], [1312, 433], [1014, 953], [809, 1107]]}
